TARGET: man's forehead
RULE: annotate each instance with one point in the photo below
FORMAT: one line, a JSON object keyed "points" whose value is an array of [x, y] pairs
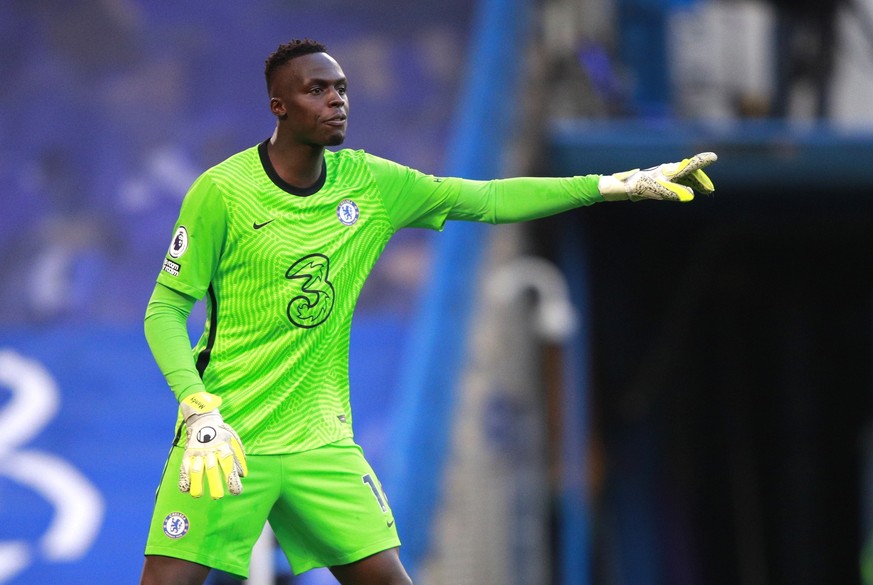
{"points": [[315, 66]]}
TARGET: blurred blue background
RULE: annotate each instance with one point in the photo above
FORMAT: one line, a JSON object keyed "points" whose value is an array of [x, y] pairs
{"points": [[708, 419]]}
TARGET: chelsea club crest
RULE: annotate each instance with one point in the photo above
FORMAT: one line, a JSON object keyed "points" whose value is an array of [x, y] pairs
{"points": [[176, 525], [347, 212]]}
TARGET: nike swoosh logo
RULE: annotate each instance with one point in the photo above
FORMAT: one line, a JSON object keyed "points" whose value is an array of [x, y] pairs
{"points": [[391, 523], [258, 226]]}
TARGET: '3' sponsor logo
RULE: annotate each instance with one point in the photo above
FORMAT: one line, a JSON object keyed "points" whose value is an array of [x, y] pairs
{"points": [[314, 295]]}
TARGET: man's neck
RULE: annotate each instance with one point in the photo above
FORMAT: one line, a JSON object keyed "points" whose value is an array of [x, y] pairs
{"points": [[298, 164]]}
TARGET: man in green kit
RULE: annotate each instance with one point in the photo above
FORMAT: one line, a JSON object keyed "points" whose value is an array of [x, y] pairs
{"points": [[279, 239]]}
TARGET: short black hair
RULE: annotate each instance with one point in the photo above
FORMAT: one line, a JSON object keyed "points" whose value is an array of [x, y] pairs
{"points": [[288, 51]]}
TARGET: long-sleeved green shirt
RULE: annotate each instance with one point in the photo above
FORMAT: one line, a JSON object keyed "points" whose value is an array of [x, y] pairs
{"points": [[281, 269]]}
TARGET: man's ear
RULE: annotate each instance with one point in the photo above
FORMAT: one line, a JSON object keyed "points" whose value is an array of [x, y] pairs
{"points": [[277, 106]]}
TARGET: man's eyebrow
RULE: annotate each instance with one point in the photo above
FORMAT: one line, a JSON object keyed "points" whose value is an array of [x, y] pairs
{"points": [[324, 81]]}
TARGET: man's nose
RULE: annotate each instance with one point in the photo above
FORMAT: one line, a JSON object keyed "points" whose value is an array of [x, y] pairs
{"points": [[336, 98]]}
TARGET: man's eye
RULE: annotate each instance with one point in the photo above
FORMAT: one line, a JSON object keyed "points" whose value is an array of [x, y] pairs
{"points": [[315, 90], [341, 90]]}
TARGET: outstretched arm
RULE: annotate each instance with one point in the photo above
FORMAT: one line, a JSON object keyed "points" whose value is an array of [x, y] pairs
{"points": [[526, 198], [418, 200], [521, 199]]}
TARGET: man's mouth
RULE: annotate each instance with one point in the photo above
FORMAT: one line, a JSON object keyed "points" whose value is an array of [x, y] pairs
{"points": [[338, 120]]}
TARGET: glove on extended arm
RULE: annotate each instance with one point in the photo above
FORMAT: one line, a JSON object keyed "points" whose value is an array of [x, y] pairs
{"points": [[666, 182]]}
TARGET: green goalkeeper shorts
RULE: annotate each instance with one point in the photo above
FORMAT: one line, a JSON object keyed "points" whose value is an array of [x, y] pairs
{"points": [[325, 506]]}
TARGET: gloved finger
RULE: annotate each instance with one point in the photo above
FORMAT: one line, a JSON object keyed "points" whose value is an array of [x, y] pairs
{"points": [[689, 172], [690, 166], [196, 475], [184, 479], [213, 477], [680, 192], [646, 187], [698, 181], [225, 460], [234, 485], [230, 468], [239, 457]]}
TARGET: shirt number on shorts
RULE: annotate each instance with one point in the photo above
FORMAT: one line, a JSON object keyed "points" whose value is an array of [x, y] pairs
{"points": [[377, 492]]}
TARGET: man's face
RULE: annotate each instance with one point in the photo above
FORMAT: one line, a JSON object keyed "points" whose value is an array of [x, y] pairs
{"points": [[309, 98]]}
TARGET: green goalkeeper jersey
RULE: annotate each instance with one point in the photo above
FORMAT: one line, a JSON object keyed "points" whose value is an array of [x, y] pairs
{"points": [[281, 270]]}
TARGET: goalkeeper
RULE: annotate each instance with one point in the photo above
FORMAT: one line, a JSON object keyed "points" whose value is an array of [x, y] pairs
{"points": [[279, 239]]}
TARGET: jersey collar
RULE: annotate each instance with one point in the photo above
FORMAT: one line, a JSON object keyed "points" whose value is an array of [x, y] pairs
{"points": [[282, 183]]}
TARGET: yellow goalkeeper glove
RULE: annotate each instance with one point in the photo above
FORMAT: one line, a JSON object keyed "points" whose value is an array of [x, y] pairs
{"points": [[667, 182], [211, 447]]}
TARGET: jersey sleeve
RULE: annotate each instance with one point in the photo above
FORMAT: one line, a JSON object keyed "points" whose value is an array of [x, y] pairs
{"points": [[412, 198], [415, 199], [522, 198], [167, 335], [198, 240]]}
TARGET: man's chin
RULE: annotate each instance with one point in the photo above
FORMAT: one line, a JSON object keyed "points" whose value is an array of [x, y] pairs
{"points": [[335, 140]]}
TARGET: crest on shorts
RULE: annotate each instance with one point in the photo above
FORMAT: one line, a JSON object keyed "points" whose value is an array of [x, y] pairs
{"points": [[176, 525]]}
